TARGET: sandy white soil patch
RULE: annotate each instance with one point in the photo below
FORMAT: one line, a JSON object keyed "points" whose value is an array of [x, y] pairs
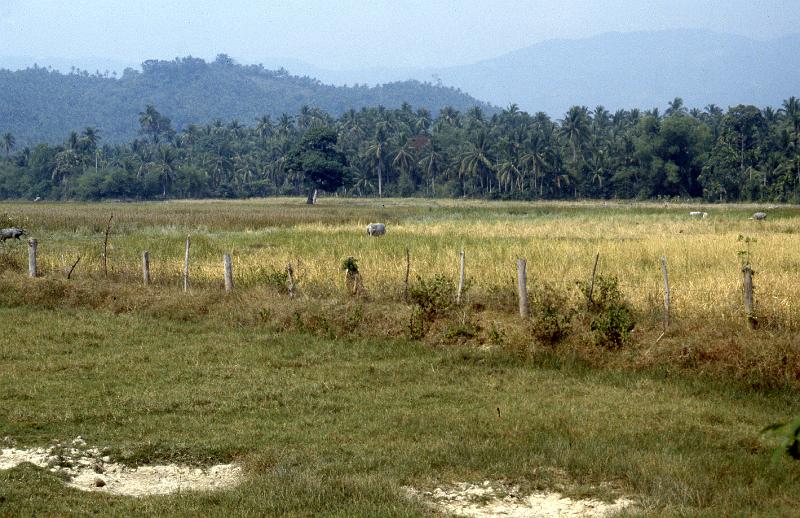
{"points": [[89, 470], [491, 499]]}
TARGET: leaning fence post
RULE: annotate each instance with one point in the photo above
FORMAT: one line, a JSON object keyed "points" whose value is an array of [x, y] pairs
{"points": [[522, 287], [186, 265], [748, 296], [228, 272], [460, 277], [290, 280], [105, 246], [146, 267], [591, 284], [405, 281], [666, 292], [32, 244]]}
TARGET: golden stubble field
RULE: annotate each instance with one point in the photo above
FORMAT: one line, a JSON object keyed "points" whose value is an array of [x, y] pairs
{"points": [[559, 241]]}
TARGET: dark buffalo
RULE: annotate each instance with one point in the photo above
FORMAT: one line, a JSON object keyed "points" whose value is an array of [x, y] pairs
{"points": [[11, 233]]}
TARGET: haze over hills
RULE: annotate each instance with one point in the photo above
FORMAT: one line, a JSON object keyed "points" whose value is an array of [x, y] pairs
{"points": [[42, 105], [617, 70]]}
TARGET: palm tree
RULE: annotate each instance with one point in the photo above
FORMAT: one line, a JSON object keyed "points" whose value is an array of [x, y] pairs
{"points": [[72, 140], [431, 163], [791, 109], [534, 159], [423, 122], [264, 127], [285, 124], [475, 161], [475, 118], [377, 152], [8, 143], [165, 166], [575, 127], [91, 136], [676, 107], [507, 174], [449, 115], [404, 160]]}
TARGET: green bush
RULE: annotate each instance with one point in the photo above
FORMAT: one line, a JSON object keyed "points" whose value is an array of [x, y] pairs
{"points": [[612, 319], [550, 315], [430, 299], [433, 297]]}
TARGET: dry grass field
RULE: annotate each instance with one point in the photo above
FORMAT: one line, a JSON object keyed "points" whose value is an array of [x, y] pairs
{"points": [[332, 401]]}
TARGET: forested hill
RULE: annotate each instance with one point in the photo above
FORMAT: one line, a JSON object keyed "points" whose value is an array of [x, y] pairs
{"points": [[41, 105]]}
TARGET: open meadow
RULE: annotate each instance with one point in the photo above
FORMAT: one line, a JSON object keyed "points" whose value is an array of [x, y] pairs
{"points": [[333, 401]]}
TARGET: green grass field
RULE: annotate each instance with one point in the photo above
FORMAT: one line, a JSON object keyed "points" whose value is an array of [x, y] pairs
{"points": [[331, 408], [332, 427]]}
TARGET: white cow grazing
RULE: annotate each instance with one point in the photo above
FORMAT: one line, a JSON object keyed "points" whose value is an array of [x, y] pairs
{"points": [[759, 216], [376, 229], [698, 214]]}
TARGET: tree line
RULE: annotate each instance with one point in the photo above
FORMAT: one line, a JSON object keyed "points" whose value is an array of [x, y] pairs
{"points": [[742, 153]]}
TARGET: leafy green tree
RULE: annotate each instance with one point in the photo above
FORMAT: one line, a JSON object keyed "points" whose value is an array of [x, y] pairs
{"points": [[322, 165]]}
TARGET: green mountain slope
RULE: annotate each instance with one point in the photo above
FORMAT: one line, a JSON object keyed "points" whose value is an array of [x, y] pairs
{"points": [[41, 105]]}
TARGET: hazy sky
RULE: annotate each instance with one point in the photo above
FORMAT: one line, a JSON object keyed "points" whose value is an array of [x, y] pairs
{"points": [[355, 33]]}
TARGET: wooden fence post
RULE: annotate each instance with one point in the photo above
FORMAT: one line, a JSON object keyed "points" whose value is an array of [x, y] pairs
{"points": [[186, 265], [666, 292], [105, 246], [228, 272], [146, 267], [461, 277], [522, 287], [69, 274], [290, 280], [748, 296], [405, 281], [591, 284], [32, 244]]}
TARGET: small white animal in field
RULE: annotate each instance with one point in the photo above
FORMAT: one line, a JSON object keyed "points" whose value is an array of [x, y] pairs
{"points": [[759, 216], [37, 198], [698, 214], [376, 229]]}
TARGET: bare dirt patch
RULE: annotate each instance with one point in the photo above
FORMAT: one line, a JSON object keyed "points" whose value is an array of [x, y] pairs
{"points": [[89, 469], [491, 499]]}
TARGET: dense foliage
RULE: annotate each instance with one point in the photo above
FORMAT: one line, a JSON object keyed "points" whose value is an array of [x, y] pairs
{"points": [[744, 153], [42, 105]]}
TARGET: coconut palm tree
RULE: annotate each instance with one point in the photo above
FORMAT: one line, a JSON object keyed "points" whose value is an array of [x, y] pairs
{"points": [[8, 143], [575, 128], [404, 160], [377, 151], [431, 163], [264, 127], [533, 160], [475, 162], [676, 107], [91, 136], [165, 164]]}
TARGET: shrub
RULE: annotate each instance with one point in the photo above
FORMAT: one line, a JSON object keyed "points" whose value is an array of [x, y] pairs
{"points": [[550, 315], [431, 299], [611, 316]]}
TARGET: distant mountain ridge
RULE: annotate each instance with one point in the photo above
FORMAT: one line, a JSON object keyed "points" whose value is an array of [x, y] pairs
{"points": [[619, 70], [42, 105]]}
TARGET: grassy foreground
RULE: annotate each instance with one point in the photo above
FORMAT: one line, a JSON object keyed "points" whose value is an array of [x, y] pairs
{"points": [[330, 427]]}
